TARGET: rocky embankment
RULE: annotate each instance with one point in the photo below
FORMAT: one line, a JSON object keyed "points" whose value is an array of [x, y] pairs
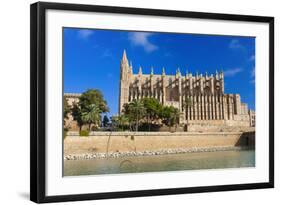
{"points": [[89, 156]]}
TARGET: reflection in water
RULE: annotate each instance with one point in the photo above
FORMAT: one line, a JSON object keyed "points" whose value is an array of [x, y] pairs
{"points": [[127, 165], [189, 161]]}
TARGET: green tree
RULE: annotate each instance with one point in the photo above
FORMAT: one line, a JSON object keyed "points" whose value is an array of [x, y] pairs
{"points": [[76, 113], [153, 108], [129, 115], [170, 116], [120, 121], [123, 120], [114, 121], [105, 121], [137, 111], [92, 115], [82, 109], [66, 109], [93, 96]]}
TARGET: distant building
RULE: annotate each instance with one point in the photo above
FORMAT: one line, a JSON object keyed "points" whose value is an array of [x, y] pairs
{"points": [[252, 116], [208, 106], [71, 99]]}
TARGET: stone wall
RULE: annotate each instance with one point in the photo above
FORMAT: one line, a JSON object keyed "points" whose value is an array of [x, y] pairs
{"points": [[150, 141], [219, 126]]}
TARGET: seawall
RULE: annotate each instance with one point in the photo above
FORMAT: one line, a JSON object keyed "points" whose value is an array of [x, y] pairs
{"points": [[111, 142]]}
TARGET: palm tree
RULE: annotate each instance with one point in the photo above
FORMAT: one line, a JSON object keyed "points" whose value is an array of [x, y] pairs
{"points": [[136, 107], [122, 121], [76, 112], [114, 121], [129, 115], [152, 110], [92, 115], [170, 116]]}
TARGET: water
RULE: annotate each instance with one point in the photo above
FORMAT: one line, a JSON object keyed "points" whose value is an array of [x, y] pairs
{"points": [[189, 161]]}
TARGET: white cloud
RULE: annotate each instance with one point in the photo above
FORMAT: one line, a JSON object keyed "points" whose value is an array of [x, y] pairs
{"points": [[235, 44], [142, 39], [85, 33], [232, 72]]}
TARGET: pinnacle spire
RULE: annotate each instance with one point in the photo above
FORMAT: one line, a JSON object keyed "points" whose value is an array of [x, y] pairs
{"points": [[163, 71], [178, 73], [124, 57], [131, 67], [140, 70], [221, 74], [151, 72]]}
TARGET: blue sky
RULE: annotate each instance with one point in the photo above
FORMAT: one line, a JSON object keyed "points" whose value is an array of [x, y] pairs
{"points": [[92, 59]]}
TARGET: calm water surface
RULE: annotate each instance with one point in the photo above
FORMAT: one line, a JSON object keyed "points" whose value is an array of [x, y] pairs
{"points": [[189, 161]]}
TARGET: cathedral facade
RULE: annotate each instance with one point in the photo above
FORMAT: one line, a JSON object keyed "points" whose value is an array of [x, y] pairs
{"points": [[200, 98]]}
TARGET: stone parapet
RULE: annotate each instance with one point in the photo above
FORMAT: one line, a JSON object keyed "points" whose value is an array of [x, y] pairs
{"points": [[97, 133]]}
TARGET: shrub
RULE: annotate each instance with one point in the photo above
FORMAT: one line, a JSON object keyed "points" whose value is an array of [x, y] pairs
{"points": [[84, 133], [149, 127], [64, 134], [65, 130]]}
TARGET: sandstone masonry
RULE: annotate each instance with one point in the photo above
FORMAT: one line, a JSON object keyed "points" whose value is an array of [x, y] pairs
{"points": [[208, 105]]}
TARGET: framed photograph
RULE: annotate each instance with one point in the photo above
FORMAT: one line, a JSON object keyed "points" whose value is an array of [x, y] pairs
{"points": [[129, 102]]}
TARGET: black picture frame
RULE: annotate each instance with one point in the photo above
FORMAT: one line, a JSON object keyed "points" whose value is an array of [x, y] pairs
{"points": [[38, 101]]}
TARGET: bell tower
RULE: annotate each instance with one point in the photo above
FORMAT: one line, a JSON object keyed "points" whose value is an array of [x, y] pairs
{"points": [[125, 71]]}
